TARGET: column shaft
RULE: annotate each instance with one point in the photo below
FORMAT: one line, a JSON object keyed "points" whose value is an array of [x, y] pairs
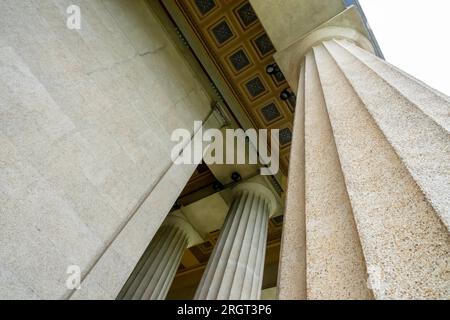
{"points": [[153, 276], [376, 182], [235, 269], [292, 267]]}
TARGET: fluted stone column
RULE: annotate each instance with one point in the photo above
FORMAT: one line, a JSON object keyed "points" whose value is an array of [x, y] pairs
{"points": [[372, 153], [154, 274], [236, 266]]}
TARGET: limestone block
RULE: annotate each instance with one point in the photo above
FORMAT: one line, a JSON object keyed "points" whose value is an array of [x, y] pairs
{"points": [[85, 136]]}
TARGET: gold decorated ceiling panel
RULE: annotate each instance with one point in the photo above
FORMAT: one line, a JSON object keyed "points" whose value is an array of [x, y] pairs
{"points": [[234, 38]]}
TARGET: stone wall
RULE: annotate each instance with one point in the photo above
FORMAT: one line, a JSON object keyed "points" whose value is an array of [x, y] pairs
{"points": [[85, 123]]}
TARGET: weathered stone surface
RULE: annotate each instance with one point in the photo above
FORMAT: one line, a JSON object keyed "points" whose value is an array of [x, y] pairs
{"points": [[85, 123], [289, 20], [292, 267], [335, 262], [383, 142]]}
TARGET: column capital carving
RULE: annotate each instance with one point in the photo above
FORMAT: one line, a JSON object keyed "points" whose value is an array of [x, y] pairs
{"points": [[261, 190], [347, 25], [177, 219]]}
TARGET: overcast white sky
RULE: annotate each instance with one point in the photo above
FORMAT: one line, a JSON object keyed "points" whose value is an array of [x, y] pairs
{"points": [[414, 35]]}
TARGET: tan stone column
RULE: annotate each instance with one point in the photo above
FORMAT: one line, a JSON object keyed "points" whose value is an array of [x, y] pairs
{"points": [[292, 267], [154, 274], [235, 269], [369, 187]]}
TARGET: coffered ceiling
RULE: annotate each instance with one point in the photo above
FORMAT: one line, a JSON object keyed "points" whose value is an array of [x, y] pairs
{"points": [[240, 49]]}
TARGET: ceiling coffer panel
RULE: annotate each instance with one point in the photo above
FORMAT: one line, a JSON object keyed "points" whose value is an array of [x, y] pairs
{"points": [[239, 47]]}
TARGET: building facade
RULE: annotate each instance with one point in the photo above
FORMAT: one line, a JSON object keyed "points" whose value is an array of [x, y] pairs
{"points": [[93, 205]]}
